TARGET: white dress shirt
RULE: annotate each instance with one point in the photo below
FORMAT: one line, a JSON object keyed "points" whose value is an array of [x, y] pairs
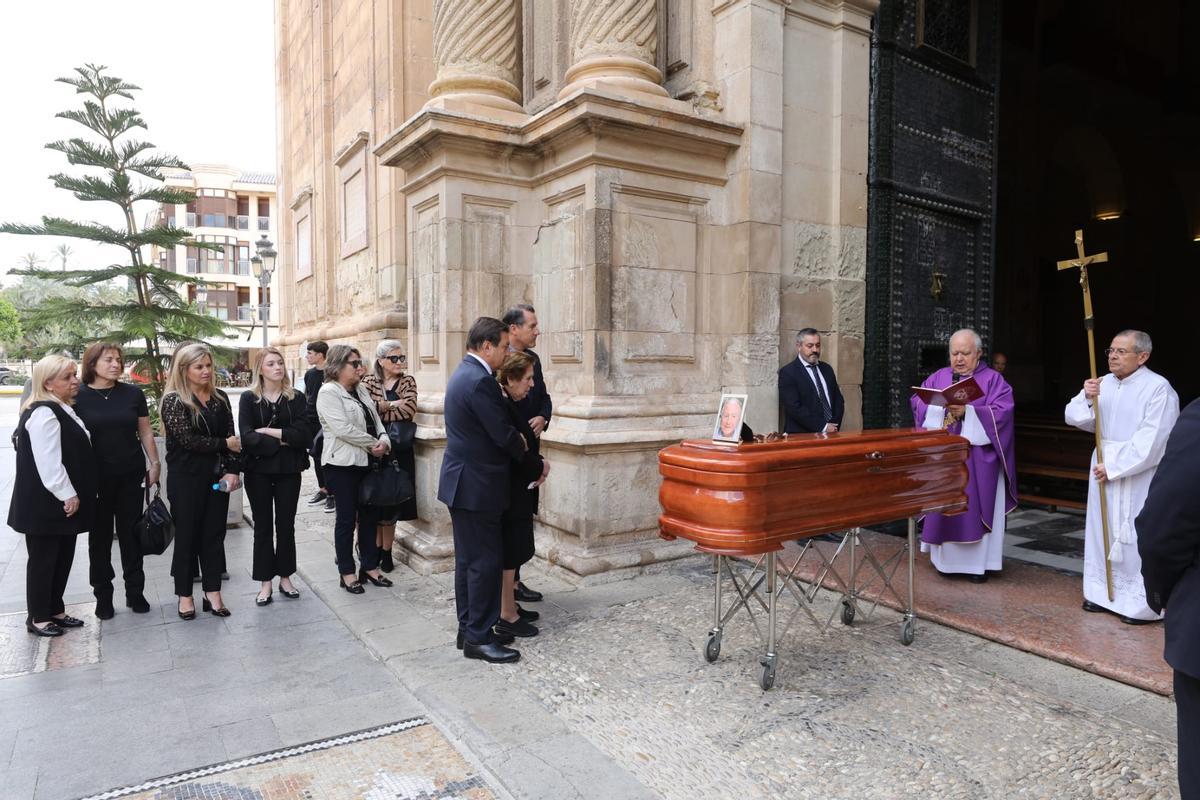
{"points": [[481, 361], [45, 439]]}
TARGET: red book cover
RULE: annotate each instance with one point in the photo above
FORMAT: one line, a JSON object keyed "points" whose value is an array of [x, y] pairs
{"points": [[956, 394]]}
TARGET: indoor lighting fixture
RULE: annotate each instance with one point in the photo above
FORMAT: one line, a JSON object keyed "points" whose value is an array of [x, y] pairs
{"points": [[1108, 215]]}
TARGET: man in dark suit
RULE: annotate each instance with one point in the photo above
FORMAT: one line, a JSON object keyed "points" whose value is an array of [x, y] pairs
{"points": [[808, 389], [1168, 540], [480, 445], [522, 323]]}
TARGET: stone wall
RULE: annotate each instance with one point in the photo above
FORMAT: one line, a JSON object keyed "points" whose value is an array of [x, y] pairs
{"points": [[676, 185]]}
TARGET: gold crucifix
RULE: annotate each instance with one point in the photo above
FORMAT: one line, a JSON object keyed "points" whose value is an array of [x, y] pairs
{"points": [[1083, 261]]}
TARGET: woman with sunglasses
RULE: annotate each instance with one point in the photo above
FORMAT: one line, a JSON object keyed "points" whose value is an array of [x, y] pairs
{"points": [[395, 397], [354, 434]]}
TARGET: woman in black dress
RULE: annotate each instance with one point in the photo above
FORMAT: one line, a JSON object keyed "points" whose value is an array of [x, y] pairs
{"points": [[117, 416], [276, 433], [516, 379], [203, 466], [54, 491]]}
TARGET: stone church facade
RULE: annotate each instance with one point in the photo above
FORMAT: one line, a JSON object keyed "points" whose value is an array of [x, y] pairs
{"points": [[676, 185]]}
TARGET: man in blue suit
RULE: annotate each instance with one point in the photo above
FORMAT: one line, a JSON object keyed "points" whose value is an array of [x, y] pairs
{"points": [[808, 389], [1168, 540], [480, 447]]}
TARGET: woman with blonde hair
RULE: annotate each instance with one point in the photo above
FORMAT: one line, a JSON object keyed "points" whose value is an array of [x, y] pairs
{"points": [[354, 434], [276, 434], [203, 462], [118, 417], [54, 491], [395, 396]]}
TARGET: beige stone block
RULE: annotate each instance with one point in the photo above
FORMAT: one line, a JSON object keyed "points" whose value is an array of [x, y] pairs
{"points": [[808, 194], [654, 300], [852, 197], [814, 251], [809, 135], [642, 239], [755, 196], [810, 306], [766, 90], [850, 306], [761, 150], [731, 42], [808, 66], [852, 252], [852, 395], [737, 96]]}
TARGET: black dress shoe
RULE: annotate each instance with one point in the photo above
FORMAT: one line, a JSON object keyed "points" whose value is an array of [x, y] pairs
{"points": [[526, 595], [290, 595], [67, 621], [187, 614], [1088, 605], [137, 603], [520, 628], [497, 638], [977, 578], [1132, 621], [354, 588], [382, 580], [104, 608], [46, 630], [528, 616], [491, 652], [261, 601], [385, 561], [216, 612]]}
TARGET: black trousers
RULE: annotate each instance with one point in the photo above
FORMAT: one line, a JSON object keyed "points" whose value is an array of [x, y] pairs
{"points": [[318, 470], [199, 512], [119, 503], [46, 574], [1187, 713], [274, 544], [478, 567], [343, 482]]}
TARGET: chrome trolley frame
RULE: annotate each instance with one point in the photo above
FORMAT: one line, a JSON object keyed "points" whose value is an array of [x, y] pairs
{"points": [[861, 594]]}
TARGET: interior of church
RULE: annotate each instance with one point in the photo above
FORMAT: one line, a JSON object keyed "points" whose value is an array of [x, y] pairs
{"points": [[1098, 126]]}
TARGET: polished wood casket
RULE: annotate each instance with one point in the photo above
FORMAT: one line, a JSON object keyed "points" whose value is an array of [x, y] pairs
{"points": [[750, 498]]}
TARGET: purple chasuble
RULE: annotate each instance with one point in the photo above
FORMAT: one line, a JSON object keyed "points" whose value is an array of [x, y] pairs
{"points": [[984, 462]]}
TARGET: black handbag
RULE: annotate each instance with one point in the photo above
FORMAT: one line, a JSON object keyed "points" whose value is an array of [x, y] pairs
{"points": [[385, 484], [156, 529], [402, 433]]}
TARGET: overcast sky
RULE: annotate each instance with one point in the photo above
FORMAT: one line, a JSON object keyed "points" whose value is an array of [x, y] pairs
{"points": [[206, 71]]}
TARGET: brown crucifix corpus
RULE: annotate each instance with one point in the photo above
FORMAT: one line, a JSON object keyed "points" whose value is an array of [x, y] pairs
{"points": [[1083, 262]]}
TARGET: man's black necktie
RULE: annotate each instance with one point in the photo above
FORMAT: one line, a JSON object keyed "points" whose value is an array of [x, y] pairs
{"points": [[821, 393]]}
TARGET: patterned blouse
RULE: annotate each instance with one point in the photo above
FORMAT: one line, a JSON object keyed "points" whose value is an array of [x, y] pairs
{"points": [[197, 441], [406, 391]]}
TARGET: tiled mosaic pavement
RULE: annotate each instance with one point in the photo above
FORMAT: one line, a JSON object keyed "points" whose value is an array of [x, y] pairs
{"points": [[416, 763], [853, 714], [21, 654]]}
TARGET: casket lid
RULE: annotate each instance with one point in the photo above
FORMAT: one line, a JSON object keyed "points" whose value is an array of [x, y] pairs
{"points": [[809, 450]]}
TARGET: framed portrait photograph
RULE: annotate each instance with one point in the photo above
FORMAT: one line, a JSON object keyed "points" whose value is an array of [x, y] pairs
{"points": [[728, 425]]}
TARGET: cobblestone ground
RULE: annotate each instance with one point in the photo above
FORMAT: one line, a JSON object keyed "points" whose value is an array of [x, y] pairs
{"points": [[853, 713]]}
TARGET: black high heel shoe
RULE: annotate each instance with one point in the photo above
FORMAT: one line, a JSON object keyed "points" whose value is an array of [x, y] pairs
{"points": [[382, 580], [354, 588], [216, 612], [188, 614]]}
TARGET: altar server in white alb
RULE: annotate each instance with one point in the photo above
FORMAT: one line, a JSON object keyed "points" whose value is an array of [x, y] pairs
{"points": [[1139, 409]]}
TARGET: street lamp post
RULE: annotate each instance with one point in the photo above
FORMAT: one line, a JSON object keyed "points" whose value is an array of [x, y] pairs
{"points": [[263, 264]]}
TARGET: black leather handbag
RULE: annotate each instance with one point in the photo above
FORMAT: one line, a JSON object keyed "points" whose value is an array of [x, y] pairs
{"points": [[402, 433], [385, 484], [156, 529]]}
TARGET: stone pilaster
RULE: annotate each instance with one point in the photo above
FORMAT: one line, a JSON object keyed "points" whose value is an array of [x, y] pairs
{"points": [[475, 45], [614, 43]]}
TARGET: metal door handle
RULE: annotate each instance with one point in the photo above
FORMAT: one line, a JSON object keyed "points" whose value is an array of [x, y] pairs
{"points": [[875, 455]]}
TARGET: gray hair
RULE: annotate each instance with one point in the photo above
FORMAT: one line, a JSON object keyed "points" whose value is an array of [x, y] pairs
{"points": [[1141, 340], [805, 332], [385, 347], [338, 356], [974, 336]]}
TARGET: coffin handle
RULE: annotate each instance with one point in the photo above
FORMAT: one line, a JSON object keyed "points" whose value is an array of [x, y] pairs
{"points": [[875, 455]]}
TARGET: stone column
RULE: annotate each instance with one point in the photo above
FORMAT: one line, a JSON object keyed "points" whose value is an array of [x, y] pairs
{"points": [[613, 43], [475, 47]]}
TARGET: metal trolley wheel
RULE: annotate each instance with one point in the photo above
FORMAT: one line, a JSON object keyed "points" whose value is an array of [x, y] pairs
{"points": [[847, 612], [768, 675], [908, 631], [712, 649]]}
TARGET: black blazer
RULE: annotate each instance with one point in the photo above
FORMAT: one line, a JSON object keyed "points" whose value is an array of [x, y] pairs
{"points": [[266, 454], [34, 510], [481, 442], [802, 412], [537, 402], [1168, 538], [525, 471]]}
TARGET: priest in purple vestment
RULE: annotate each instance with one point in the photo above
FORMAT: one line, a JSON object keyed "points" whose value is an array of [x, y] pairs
{"points": [[972, 543]]}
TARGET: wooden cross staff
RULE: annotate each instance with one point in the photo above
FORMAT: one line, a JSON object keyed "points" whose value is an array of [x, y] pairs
{"points": [[1083, 261]]}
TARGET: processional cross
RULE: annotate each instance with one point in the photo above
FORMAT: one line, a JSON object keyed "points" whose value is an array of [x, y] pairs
{"points": [[1083, 261]]}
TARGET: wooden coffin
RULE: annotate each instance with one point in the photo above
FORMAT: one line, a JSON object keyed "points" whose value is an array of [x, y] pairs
{"points": [[749, 498]]}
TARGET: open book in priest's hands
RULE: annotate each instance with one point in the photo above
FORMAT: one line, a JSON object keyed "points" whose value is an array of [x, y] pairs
{"points": [[956, 394]]}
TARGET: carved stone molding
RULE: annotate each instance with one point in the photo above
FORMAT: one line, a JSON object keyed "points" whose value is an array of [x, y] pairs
{"points": [[614, 43], [475, 46]]}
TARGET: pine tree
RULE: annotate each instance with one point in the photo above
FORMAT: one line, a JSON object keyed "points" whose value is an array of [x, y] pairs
{"points": [[152, 314]]}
